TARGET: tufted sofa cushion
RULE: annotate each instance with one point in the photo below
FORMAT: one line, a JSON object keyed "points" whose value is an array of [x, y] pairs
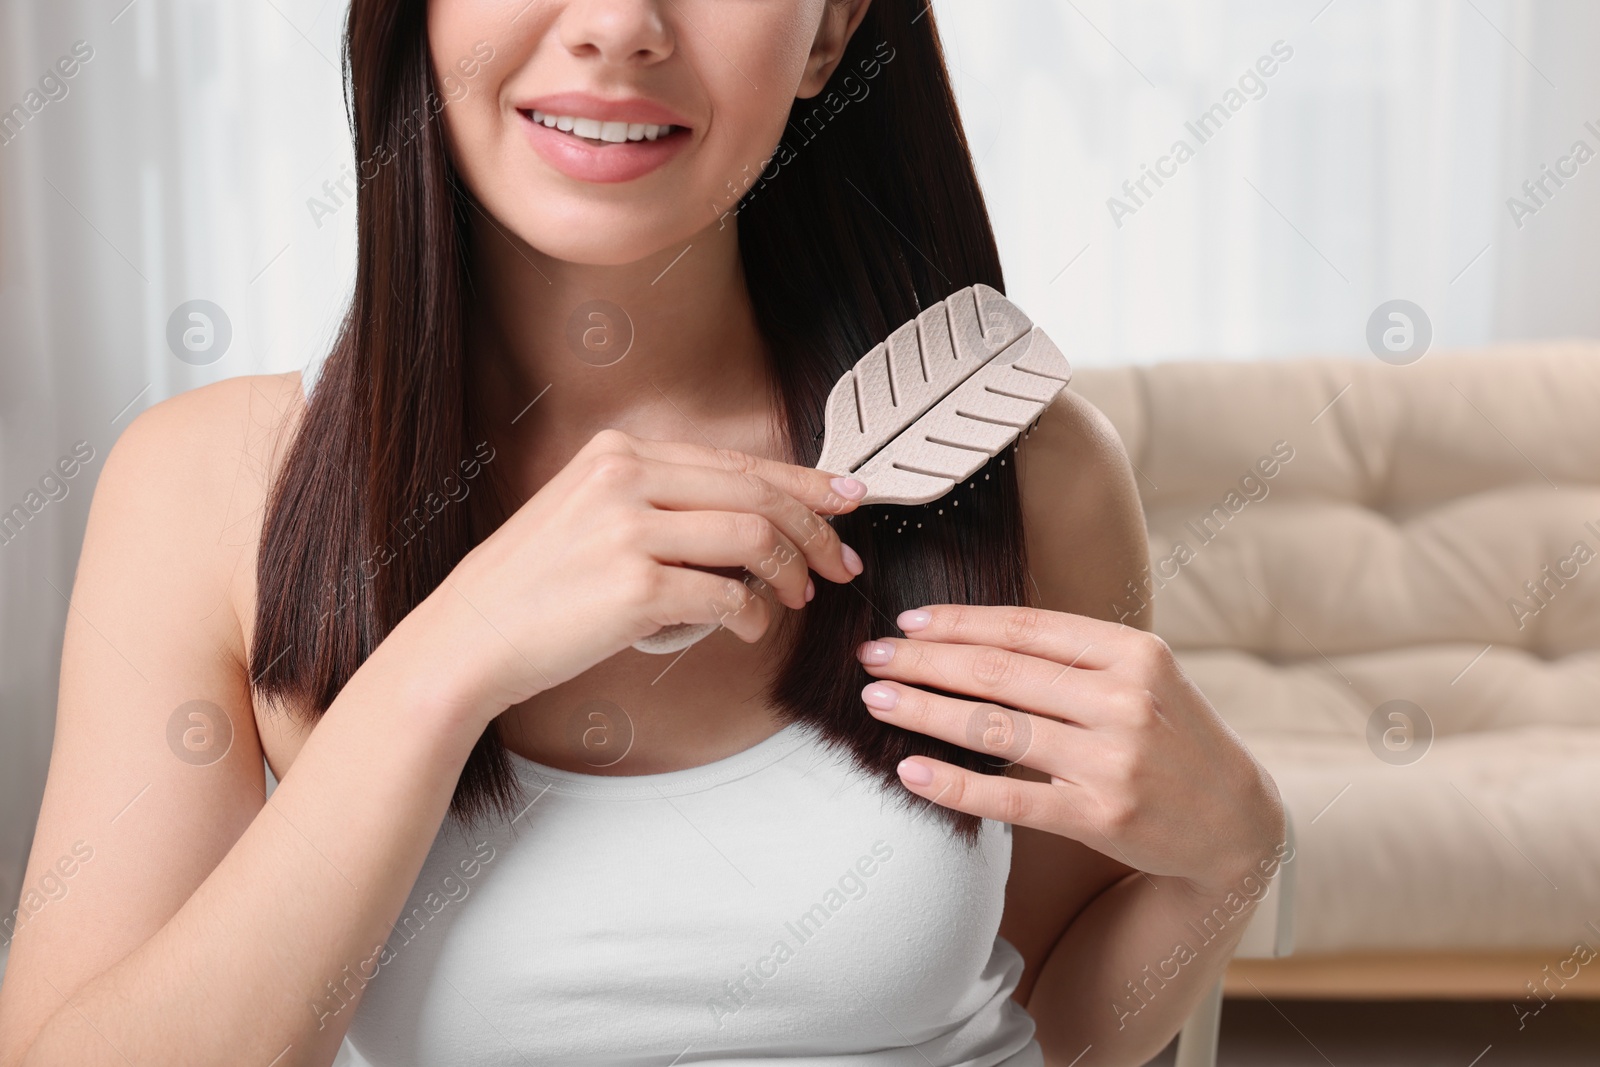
{"points": [[1330, 535]]}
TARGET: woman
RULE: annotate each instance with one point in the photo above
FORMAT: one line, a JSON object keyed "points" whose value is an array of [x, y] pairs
{"points": [[596, 313]]}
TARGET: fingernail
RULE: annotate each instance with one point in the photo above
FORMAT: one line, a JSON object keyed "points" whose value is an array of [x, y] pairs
{"points": [[852, 562], [849, 488], [909, 621], [811, 590], [914, 773], [879, 696], [875, 653]]}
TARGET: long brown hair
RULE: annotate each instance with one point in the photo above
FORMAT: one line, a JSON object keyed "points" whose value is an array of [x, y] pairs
{"points": [[869, 211]]}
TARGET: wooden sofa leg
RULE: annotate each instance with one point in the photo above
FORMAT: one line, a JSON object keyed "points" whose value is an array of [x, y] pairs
{"points": [[1197, 1041]]}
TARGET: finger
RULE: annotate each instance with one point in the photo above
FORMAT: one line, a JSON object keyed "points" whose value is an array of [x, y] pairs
{"points": [[1044, 687], [1004, 734], [687, 487], [1054, 808], [729, 538], [818, 490], [685, 595], [1076, 640]]}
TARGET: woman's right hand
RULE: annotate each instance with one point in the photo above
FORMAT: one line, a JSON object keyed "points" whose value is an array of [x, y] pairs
{"points": [[605, 554]]}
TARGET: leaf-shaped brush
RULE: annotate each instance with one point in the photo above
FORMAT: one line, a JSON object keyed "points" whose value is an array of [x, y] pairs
{"points": [[925, 409]]}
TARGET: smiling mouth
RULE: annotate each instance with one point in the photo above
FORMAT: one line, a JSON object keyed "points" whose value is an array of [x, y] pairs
{"points": [[597, 133]]}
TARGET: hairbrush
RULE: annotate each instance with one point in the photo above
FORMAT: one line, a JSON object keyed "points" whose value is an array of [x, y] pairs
{"points": [[926, 408]]}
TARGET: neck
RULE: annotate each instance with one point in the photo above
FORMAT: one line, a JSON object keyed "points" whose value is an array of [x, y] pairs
{"points": [[665, 348], [696, 370]]}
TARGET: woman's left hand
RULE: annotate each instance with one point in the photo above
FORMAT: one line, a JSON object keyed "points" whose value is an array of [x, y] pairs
{"points": [[1141, 766]]}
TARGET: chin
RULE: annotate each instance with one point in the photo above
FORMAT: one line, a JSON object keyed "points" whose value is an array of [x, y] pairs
{"points": [[612, 245], [604, 235]]}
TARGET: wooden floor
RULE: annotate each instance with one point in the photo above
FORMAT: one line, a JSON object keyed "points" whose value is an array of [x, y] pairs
{"points": [[1512, 976], [1400, 1033]]}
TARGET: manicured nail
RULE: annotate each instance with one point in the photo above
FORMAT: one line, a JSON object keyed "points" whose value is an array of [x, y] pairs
{"points": [[811, 590], [875, 653], [852, 562], [879, 696], [914, 773], [909, 621], [849, 488]]}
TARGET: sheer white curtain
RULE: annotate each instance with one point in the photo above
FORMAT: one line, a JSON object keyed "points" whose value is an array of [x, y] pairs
{"points": [[1373, 163], [178, 161], [172, 165]]}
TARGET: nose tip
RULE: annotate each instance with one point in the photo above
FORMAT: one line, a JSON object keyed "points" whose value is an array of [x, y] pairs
{"points": [[632, 32]]}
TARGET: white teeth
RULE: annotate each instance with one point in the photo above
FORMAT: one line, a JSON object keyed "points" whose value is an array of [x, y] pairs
{"points": [[613, 132]]}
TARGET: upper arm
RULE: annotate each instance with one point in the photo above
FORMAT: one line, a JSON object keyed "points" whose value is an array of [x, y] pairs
{"points": [[1086, 542], [137, 809]]}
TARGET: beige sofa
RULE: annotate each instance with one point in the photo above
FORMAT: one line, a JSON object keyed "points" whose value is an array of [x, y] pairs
{"points": [[1330, 536]]}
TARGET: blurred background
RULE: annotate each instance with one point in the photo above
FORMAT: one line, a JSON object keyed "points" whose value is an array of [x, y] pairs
{"points": [[1220, 299]]}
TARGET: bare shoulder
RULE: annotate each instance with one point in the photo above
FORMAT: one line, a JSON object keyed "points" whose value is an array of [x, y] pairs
{"points": [[156, 766], [1083, 520], [215, 432], [197, 469]]}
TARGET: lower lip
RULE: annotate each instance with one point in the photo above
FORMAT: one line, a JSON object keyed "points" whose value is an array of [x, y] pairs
{"points": [[622, 161]]}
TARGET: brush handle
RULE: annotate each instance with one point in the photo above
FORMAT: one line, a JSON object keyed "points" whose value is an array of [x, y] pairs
{"points": [[680, 635], [674, 638]]}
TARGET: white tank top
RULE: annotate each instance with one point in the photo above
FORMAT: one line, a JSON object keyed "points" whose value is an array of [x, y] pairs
{"points": [[774, 907]]}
